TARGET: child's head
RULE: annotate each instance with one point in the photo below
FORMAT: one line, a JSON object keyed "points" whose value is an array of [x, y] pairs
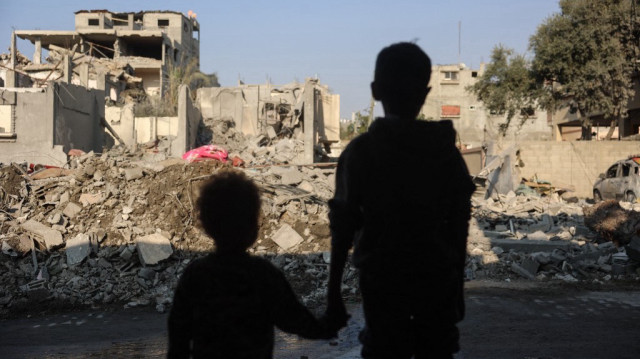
{"points": [[229, 206], [401, 78]]}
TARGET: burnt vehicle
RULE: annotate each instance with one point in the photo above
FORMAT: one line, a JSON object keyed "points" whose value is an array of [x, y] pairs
{"points": [[620, 182]]}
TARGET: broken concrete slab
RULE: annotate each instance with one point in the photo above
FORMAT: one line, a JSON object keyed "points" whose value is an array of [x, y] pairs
{"points": [[291, 177], [71, 210], [528, 246], [153, 248], [538, 236], [134, 173], [43, 234], [77, 249], [88, 199], [287, 237]]}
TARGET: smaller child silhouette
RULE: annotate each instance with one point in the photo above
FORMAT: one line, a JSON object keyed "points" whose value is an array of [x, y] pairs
{"points": [[227, 304]]}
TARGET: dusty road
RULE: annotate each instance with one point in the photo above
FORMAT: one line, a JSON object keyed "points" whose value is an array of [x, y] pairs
{"points": [[509, 321]]}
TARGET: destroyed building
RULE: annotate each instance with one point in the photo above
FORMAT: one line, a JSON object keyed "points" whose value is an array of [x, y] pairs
{"points": [[142, 44], [128, 56]]}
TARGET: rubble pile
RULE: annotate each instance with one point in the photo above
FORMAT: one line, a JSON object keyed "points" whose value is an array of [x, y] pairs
{"points": [[541, 238], [120, 227]]}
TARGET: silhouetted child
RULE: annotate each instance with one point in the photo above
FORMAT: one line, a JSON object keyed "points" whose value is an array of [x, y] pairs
{"points": [[402, 200], [227, 303]]}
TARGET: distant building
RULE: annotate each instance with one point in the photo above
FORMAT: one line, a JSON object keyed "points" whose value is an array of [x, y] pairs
{"points": [[449, 100]]}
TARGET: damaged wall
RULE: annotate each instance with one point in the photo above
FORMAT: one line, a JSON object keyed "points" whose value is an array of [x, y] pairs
{"points": [[180, 132], [576, 163], [49, 122], [254, 108], [189, 119]]}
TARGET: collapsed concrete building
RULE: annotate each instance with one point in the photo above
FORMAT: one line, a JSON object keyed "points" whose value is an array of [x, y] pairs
{"points": [[143, 43], [128, 57]]}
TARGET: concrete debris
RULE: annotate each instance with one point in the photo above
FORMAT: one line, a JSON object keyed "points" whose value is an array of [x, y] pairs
{"points": [[286, 237], [153, 248], [541, 235], [49, 237], [137, 214], [77, 249], [71, 210], [131, 174]]}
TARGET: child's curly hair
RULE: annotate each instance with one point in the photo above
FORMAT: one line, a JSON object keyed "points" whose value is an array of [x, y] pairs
{"points": [[229, 208]]}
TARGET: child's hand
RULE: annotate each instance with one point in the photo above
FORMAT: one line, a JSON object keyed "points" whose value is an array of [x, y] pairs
{"points": [[336, 316]]}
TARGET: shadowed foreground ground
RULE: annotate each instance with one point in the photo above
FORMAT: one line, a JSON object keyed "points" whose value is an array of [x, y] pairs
{"points": [[507, 321]]}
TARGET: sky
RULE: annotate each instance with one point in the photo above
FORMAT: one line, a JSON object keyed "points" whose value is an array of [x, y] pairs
{"points": [[335, 40]]}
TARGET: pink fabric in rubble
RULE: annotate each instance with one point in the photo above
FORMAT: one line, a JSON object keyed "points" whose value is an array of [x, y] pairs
{"points": [[208, 151]]}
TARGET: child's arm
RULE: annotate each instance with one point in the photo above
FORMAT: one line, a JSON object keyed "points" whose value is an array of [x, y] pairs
{"points": [[180, 322], [292, 316]]}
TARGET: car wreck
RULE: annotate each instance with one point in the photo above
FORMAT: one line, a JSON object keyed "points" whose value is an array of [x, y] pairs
{"points": [[620, 182]]}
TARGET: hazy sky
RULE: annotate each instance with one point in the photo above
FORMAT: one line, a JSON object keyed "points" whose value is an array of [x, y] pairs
{"points": [[337, 40]]}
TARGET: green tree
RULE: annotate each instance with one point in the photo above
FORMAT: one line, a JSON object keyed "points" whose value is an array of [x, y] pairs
{"points": [[507, 86], [585, 57]]}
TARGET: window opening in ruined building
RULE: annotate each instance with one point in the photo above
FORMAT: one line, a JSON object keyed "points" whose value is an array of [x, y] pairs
{"points": [[450, 75], [153, 51], [163, 22], [175, 55], [186, 27], [94, 22], [474, 73], [448, 111], [120, 19]]}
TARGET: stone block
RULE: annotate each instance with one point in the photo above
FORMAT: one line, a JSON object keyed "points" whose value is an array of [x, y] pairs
{"points": [[71, 210], [43, 234], [153, 248], [286, 237], [88, 199], [131, 174], [306, 186], [291, 177], [77, 249]]}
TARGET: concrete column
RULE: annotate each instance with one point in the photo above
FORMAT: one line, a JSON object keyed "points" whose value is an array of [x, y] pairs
{"points": [[84, 75], [68, 69], [309, 121], [83, 46], [37, 55], [130, 21], [117, 48], [101, 82], [11, 75]]}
